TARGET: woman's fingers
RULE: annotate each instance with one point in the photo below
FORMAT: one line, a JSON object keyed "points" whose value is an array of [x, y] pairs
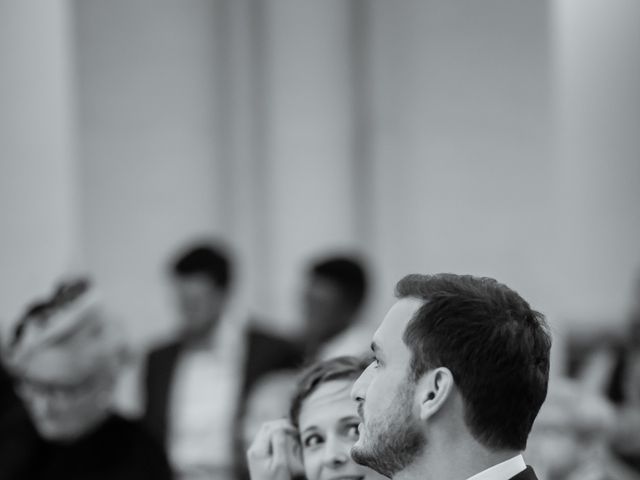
{"points": [[271, 440], [261, 445], [279, 448]]}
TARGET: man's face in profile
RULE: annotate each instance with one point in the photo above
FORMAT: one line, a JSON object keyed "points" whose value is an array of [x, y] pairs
{"points": [[199, 302], [390, 432]]}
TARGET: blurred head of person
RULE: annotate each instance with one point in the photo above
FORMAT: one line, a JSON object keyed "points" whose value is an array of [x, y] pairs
{"points": [[65, 355], [327, 420], [201, 277], [460, 363], [571, 432], [335, 290]]}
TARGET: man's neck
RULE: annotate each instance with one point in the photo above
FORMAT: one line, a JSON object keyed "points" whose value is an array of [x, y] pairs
{"points": [[454, 463], [200, 339]]}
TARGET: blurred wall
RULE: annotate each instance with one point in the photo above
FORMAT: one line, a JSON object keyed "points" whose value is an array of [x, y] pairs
{"points": [[461, 134], [597, 170], [39, 222], [494, 138], [151, 170]]}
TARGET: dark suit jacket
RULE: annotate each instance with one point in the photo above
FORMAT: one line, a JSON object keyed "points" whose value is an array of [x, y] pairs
{"points": [[527, 474], [18, 438], [161, 364], [265, 353]]}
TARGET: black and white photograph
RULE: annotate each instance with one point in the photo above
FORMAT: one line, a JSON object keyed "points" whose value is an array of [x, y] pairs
{"points": [[319, 240]]}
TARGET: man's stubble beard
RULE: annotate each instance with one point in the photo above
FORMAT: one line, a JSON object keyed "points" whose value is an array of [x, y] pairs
{"points": [[395, 441]]}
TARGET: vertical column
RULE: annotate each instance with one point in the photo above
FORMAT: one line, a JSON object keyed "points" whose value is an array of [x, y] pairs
{"points": [[307, 143], [38, 220], [153, 172], [240, 131], [597, 76]]}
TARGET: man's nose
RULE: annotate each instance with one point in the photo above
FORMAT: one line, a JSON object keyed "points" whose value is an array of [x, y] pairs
{"points": [[360, 386]]}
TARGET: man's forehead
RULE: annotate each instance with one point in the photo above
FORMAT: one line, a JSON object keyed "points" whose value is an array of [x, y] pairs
{"points": [[395, 321]]}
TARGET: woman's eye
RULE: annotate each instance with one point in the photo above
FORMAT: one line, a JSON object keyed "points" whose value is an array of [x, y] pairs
{"points": [[353, 431], [312, 441]]}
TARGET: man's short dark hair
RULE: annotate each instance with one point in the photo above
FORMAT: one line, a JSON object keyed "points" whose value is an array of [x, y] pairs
{"points": [[348, 273], [205, 259], [495, 345], [338, 368]]}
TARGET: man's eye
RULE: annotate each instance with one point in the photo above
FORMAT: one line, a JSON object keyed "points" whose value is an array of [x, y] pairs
{"points": [[312, 441], [376, 362]]}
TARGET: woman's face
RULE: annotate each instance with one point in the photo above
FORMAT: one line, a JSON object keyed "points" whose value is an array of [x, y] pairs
{"points": [[328, 425]]}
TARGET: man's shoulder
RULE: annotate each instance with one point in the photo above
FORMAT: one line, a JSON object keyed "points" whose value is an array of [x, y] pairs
{"points": [[267, 352], [271, 347], [165, 348], [527, 474], [259, 336], [162, 354]]}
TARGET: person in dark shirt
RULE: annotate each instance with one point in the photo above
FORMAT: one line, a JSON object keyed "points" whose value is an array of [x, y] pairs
{"points": [[17, 436], [117, 449]]}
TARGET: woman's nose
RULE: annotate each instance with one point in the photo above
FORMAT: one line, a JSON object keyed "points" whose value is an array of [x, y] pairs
{"points": [[336, 454]]}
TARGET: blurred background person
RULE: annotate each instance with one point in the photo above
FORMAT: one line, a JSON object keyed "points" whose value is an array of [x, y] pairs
{"points": [[335, 291], [192, 383], [570, 436], [315, 441], [334, 288], [606, 363], [65, 353], [624, 388]]}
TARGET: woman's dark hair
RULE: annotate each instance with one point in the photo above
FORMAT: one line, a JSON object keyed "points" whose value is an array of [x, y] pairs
{"points": [[338, 368]]}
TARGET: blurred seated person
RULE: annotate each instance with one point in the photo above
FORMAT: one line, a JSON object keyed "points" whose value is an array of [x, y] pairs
{"points": [[569, 438], [333, 298], [624, 390], [192, 383], [65, 355], [334, 291], [315, 441], [610, 364]]}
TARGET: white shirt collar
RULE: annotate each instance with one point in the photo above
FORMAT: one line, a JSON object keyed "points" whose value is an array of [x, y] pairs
{"points": [[502, 471]]}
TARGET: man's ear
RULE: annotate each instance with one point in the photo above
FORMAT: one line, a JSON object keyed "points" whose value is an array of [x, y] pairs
{"points": [[434, 388]]}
